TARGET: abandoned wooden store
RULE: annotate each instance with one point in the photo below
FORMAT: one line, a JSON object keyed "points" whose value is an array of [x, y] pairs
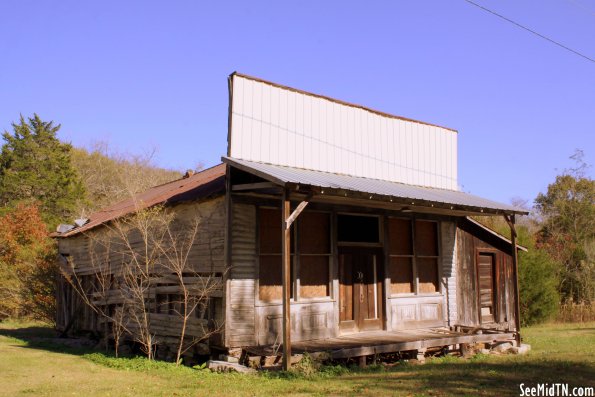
{"points": [[329, 227]]}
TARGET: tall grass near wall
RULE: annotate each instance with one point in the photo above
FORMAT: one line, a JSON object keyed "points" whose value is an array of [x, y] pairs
{"points": [[576, 313]]}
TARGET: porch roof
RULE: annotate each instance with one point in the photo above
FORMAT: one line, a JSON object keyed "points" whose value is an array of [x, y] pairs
{"points": [[351, 186]]}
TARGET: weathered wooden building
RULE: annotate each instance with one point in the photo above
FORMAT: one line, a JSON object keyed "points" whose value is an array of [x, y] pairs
{"points": [[338, 228]]}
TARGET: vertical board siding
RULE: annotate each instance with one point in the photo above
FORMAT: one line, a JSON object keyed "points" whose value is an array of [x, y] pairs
{"points": [[467, 303], [466, 286], [280, 126], [240, 324]]}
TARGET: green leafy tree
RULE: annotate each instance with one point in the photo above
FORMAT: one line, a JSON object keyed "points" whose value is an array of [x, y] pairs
{"points": [[36, 166], [538, 281], [568, 230], [538, 272]]}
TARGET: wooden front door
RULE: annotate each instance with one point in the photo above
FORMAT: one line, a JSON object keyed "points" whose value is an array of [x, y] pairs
{"points": [[486, 272], [360, 289]]}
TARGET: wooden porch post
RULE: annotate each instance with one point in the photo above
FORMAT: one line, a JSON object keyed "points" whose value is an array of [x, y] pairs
{"points": [[286, 275], [515, 272]]}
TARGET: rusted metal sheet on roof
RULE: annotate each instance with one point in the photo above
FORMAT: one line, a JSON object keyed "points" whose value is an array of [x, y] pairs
{"points": [[200, 185], [376, 188], [274, 124]]}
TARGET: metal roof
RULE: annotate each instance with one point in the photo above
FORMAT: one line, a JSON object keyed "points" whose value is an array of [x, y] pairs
{"points": [[377, 189], [206, 183]]}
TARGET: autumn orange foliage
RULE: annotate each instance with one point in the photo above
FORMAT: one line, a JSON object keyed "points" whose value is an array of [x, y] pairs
{"points": [[28, 268]]}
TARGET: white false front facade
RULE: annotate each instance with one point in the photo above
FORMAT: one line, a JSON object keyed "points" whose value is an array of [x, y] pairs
{"points": [[278, 125]]}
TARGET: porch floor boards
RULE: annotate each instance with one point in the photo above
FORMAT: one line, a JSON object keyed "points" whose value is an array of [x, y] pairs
{"points": [[376, 342]]}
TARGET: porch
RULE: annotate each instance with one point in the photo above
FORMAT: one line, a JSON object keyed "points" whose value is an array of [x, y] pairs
{"points": [[366, 255], [369, 343]]}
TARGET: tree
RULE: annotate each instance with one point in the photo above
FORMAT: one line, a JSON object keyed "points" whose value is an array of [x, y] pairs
{"points": [[538, 272], [568, 230], [28, 268], [538, 281], [109, 176], [36, 166], [144, 280]]}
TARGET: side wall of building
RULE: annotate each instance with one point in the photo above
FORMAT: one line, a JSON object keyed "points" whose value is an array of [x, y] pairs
{"points": [[251, 321], [469, 247], [94, 265]]}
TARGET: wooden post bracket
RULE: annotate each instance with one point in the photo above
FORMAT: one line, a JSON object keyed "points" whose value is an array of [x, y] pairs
{"points": [[510, 221], [288, 218], [297, 211]]}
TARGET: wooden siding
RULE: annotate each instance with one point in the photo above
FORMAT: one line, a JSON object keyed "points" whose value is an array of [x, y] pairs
{"points": [[449, 275], [309, 321], [240, 324], [468, 248], [277, 125], [86, 255], [251, 322], [414, 312]]}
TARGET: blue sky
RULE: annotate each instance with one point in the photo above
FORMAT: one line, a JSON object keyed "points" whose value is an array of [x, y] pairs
{"points": [[143, 74]]}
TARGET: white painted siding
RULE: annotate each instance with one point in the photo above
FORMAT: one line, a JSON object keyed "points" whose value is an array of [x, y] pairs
{"points": [[280, 126], [240, 321], [449, 274]]}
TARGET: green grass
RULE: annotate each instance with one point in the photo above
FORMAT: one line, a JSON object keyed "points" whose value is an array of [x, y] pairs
{"points": [[31, 364]]}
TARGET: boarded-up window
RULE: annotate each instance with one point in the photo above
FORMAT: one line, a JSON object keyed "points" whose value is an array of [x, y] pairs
{"points": [[401, 275], [314, 276], [426, 238], [270, 280], [405, 261], [426, 251], [400, 266], [427, 271], [314, 233], [314, 230], [269, 238], [399, 231]]}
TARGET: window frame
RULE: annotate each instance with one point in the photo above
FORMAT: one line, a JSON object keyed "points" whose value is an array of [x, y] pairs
{"points": [[295, 260], [414, 257], [378, 244]]}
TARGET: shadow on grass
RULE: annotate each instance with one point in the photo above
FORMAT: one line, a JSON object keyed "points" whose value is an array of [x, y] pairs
{"points": [[46, 338], [484, 375], [582, 330], [473, 377]]}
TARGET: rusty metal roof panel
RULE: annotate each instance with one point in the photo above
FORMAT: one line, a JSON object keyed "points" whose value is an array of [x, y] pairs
{"points": [[203, 184], [375, 187]]}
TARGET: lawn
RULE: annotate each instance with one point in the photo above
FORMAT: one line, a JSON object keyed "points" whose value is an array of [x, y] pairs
{"points": [[29, 365]]}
